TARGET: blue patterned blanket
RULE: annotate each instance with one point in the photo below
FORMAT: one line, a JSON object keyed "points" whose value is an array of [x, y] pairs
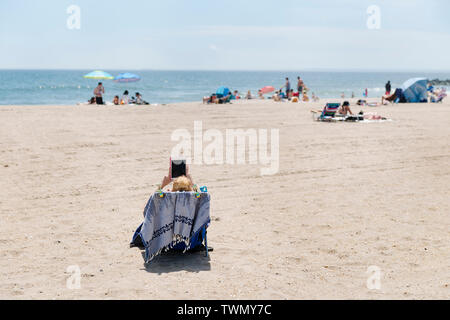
{"points": [[172, 219]]}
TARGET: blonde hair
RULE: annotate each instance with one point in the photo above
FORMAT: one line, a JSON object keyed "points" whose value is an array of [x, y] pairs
{"points": [[182, 184]]}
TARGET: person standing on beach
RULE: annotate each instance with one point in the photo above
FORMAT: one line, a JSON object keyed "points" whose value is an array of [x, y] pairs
{"points": [[288, 87], [388, 88], [300, 86], [98, 93]]}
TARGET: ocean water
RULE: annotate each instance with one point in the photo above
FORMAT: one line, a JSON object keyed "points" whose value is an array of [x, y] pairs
{"points": [[68, 87]]}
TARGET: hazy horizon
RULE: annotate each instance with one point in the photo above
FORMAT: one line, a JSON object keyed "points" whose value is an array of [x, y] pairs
{"points": [[232, 70]]}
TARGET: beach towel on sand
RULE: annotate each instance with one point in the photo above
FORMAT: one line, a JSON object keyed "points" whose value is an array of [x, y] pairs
{"points": [[175, 218]]}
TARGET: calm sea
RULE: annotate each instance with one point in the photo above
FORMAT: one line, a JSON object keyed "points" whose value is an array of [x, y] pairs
{"points": [[32, 87]]}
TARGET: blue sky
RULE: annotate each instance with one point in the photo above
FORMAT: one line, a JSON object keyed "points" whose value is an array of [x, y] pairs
{"points": [[225, 35]]}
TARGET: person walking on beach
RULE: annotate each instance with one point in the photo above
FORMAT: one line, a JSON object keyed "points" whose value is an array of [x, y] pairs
{"points": [[388, 88], [98, 93], [300, 86]]}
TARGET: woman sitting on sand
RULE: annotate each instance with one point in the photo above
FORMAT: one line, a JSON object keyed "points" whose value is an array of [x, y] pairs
{"points": [[249, 95], [260, 95], [125, 99], [305, 97], [345, 108], [276, 97]]}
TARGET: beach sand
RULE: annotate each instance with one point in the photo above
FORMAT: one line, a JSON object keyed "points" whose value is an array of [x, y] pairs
{"points": [[75, 180]]}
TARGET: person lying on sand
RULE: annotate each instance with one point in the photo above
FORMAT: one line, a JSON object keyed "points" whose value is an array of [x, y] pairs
{"points": [[373, 117], [390, 98], [215, 99], [361, 102], [211, 99]]}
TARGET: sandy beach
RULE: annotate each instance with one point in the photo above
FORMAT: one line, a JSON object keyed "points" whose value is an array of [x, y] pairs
{"points": [[75, 180]]}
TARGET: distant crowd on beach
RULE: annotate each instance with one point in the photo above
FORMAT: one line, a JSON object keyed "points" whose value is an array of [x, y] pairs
{"points": [[125, 99], [289, 94], [285, 93]]}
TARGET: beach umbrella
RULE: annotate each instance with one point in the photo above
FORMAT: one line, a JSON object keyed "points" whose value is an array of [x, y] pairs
{"points": [[267, 89], [415, 90], [127, 77], [99, 75], [223, 91]]}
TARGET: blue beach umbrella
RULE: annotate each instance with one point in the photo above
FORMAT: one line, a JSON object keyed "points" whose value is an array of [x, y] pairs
{"points": [[99, 75], [223, 91], [415, 90], [127, 77]]}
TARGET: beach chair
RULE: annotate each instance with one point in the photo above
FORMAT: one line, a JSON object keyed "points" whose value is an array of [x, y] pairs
{"points": [[328, 113], [175, 221]]}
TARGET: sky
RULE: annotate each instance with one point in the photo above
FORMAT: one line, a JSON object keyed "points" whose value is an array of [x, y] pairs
{"points": [[226, 35]]}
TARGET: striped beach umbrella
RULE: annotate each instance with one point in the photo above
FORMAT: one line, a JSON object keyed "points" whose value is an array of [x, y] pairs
{"points": [[127, 77], [99, 75]]}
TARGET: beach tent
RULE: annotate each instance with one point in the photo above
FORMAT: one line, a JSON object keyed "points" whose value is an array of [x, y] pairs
{"points": [[415, 90], [399, 97], [222, 91]]}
